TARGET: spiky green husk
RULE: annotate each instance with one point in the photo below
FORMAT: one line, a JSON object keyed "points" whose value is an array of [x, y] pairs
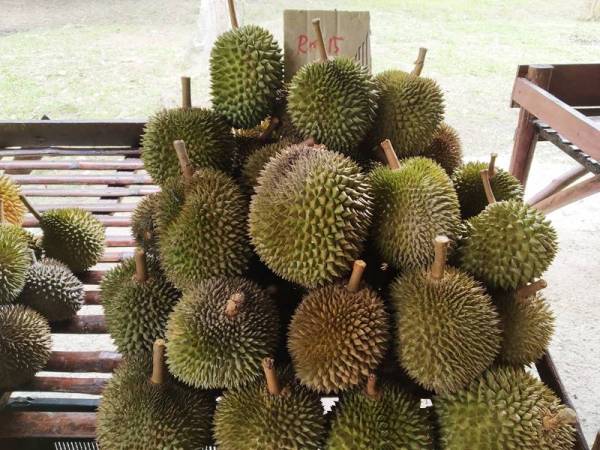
{"points": [[410, 109], [508, 245], [394, 420], [445, 148], [333, 102], [169, 203], [502, 410], [139, 415], [52, 290], [469, 187], [527, 327], [412, 206], [257, 161], [25, 343], [14, 261], [209, 349], [207, 137], [34, 243], [337, 337], [143, 223], [137, 313], [14, 209], [310, 214], [208, 237], [253, 419], [72, 236], [447, 330]]}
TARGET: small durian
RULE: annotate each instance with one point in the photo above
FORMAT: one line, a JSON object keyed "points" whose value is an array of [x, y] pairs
{"points": [[143, 223], [220, 331], [310, 214], [25, 343], [379, 417], [332, 101], [138, 412], [469, 188], [15, 258], [338, 335], [508, 244], [414, 202], [445, 148], [137, 301], [257, 161], [13, 210], [52, 290], [448, 331], [278, 414], [210, 143], [505, 408]]}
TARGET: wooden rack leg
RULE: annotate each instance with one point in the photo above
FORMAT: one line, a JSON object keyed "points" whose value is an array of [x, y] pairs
{"points": [[572, 194], [525, 135], [597, 442], [558, 184]]}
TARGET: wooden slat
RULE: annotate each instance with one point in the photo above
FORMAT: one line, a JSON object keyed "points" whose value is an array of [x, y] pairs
{"points": [[83, 385], [84, 324], [72, 151], [120, 241], [126, 164], [92, 276], [550, 135], [82, 179], [558, 184], [569, 195], [78, 192], [100, 362], [63, 425], [103, 207], [92, 298], [116, 256], [107, 221]]}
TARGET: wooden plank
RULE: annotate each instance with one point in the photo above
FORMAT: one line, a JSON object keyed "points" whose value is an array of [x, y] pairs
{"points": [[570, 195], [558, 184], [104, 207], [82, 179], [72, 151], [125, 164], [83, 385], [92, 276], [116, 256], [92, 192], [59, 425], [92, 298], [84, 324], [48, 133], [99, 362], [120, 241], [107, 221]]}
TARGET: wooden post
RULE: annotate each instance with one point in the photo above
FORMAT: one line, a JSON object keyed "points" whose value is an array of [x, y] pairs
{"points": [[320, 41], [184, 160], [390, 154], [525, 134], [159, 371], [186, 92], [232, 14], [141, 270], [570, 195], [487, 186], [528, 290], [356, 276], [440, 245], [271, 376], [419, 62]]}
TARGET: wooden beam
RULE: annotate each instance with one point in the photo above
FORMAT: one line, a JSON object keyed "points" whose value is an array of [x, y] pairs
{"points": [[558, 184], [58, 425], [84, 324], [126, 164], [569, 195], [99, 362], [83, 385], [82, 179]]}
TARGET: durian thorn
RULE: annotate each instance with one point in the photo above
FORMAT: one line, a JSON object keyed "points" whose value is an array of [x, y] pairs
{"points": [[2, 217], [440, 247], [390, 154], [356, 276], [186, 92], [487, 186], [232, 14], [33, 257], [273, 124], [159, 370], [531, 289], [234, 304], [31, 209], [492, 164], [271, 376], [565, 416], [141, 269], [184, 160], [420, 62], [371, 389], [320, 41]]}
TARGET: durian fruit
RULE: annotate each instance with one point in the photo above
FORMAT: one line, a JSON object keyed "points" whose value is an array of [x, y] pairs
{"points": [[138, 413], [471, 195], [505, 408], [409, 110], [310, 214], [379, 417], [72, 236], [256, 161], [448, 331], [210, 143], [25, 343], [143, 223], [219, 333], [206, 235], [137, 301], [15, 259], [246, 71], [445, 148], [527, 324], [11, 206], [333, 101], [52, 290], [338, 335], [508, 244], [276, 415], [414, 202]]}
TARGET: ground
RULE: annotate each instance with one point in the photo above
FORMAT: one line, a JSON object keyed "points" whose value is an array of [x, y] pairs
{"points": [[70, 59]]}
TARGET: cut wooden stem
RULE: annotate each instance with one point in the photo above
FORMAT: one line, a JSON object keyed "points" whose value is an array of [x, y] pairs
{"points": [[440, 246], [159, 371], [232, 14], [371, 390], [186, 92], [31, 209], [390, 154], [487, 186], [564, 417], [419, 62], [320, 41], [530, 289], [355, 278], [184, 160], [492, 164], [271, 376], [2, 217], [234, 304], [273, 124], [141, 269]]}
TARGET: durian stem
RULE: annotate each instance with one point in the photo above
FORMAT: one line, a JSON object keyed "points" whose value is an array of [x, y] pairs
{"points": [[320, 41], [564, 417], [440, 246], [186, 92], [232, 14], [184, 160], [420, 62], [355, 278], [310, 142], [234, 304], [271, 376], [530, 289], [31, 209], [371, 390], [273, 124], [492, 164], [390, 154], [2, 217], [141, 269], [487, 186], [159, 371]]}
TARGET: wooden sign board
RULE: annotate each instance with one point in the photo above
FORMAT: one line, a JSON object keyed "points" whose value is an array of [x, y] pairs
{"points": [[346, 33]]}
